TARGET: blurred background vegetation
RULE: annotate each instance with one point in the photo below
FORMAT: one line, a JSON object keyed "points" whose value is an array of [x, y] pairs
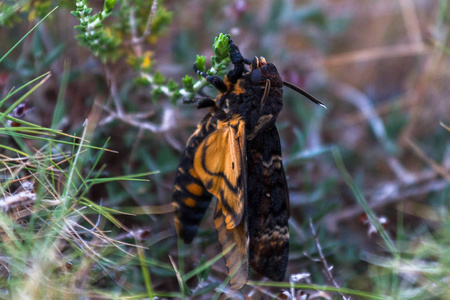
{"points": [[88, 153]]}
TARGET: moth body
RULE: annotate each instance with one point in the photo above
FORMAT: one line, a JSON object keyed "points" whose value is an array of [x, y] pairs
{"points": [[235, 156]]}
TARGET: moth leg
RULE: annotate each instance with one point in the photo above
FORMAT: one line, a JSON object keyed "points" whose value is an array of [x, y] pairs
{"points": [[216, 81], [205, 102], [238, 61], [188, 101], [201, 102]]}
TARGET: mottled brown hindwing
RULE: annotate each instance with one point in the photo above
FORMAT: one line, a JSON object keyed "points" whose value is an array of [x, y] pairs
{"points": [[267, 206]]}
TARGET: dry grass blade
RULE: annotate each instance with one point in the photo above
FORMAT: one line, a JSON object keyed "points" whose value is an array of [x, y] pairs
{"points": [[422, 155], [375, 54], [445, 126]]}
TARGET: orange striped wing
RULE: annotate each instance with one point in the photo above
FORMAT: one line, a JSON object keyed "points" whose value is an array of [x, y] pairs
{"points": [[220, 164]]}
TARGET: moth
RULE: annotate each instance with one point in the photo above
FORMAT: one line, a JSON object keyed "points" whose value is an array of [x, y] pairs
{"points": [[235, 155]]}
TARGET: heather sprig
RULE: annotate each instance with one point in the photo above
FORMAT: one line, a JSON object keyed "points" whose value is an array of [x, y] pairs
{"points": [[219, 62], [92, 32]]}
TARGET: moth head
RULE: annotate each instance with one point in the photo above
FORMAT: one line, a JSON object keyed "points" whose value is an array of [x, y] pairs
{"points": [[261, 71], [257, 62]]}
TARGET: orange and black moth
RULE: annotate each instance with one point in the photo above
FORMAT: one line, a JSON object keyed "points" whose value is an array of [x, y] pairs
{"points": [[235, 156]]}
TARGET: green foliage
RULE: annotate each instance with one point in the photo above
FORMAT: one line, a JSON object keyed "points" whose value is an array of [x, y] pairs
{"points": [[78, 241], [134, 18], [200, 63], [219, 63], [109, 5], [221, 48], [34, 27], [188, 83], [39, 9], [8, 13], [158, 78], [13, 12], [159, 86], [54, 240], [93, 34], [160, 22], [142, 12], [46, 179], [106, 41]]}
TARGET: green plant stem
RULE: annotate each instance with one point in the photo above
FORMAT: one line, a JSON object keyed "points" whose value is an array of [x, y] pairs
{"points": [[20, 41]]}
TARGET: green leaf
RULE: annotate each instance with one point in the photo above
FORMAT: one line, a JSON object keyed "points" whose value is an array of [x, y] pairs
{"points": [[142, 81], [203, 275], [54, 54], [172, 85], [34, 27], [158, 79], [157, 93], [80, 28], [221, 46], [200, 63], [109, 5], [188, 83], [174, 97]]}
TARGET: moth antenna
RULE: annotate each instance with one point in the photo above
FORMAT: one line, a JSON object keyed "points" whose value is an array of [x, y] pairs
{"points": [[266, 93], [304, 93]]}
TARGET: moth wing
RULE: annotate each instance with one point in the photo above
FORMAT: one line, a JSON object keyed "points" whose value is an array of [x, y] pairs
{"points": [[234, 243], [220, 164], [267, 206], [190, 197]]}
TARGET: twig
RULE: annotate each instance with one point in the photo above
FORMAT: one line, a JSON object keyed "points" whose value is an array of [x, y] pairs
{"points": [[23, 196], [173, 141], [327, 268], [411, 20], [445, 126], [375, 53], [138, 40], [436, 167], [402, 173], [133, 119], [150, 20], [415, 94], [167, 122], [114, 92], [136, 43]]}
